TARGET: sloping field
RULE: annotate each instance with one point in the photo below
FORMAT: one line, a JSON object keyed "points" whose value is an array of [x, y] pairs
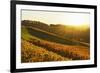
{"points": [[70, 51], [33, 53], [52, 37], [40, 46]]}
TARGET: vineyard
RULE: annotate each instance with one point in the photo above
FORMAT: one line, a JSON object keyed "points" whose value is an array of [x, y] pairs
{"points": [[72, 52], [33, 53], [41, 46]]}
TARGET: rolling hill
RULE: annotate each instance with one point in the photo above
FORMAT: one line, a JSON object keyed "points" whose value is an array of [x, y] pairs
{"points": [[35, 41], [81, 34]]}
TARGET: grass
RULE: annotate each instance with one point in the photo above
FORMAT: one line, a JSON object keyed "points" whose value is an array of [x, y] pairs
{"points": [[26, 35], [73, 52], [41, 46], [33, 53], [52, 37]]}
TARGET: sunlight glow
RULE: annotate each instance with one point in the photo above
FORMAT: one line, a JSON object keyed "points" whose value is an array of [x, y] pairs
{"points": [[65, 18]]}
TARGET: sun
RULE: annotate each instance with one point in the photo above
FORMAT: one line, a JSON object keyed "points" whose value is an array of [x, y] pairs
{"points": [[77, 20]]}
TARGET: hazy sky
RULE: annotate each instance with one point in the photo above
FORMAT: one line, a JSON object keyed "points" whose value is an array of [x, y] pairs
{"points": [[50, 17]]}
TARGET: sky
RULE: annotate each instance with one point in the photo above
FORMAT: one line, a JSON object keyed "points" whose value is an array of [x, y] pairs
{"points": [[50, 17]]}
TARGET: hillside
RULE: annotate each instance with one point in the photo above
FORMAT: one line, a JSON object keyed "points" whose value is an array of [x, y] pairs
{"points": [[81, 34], [39, 45]]}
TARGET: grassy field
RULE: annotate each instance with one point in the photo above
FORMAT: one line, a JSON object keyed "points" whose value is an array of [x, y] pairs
{"points": [[40, 46], [73, 52], [53, 38], [33, 53]]}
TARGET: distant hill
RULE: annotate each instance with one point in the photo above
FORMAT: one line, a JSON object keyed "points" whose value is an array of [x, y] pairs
{"points": [[64, 31]]}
